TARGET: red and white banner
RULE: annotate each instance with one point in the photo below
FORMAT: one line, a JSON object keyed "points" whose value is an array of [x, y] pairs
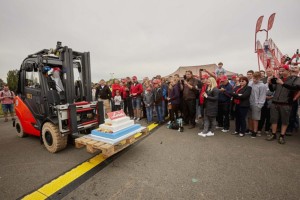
{"points": [[271, 21], [258, 23], [116, 114]]}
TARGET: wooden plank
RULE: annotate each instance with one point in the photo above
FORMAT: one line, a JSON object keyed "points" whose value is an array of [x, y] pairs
{"points": [[130, 140], [80, 142], [98, 144], [83, 140], [78, 145], [90, 149], [108, 150], [90, 146], [92, 142]]}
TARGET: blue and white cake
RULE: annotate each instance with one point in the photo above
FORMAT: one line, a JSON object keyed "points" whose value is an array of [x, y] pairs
{"points": [[116, 130]]}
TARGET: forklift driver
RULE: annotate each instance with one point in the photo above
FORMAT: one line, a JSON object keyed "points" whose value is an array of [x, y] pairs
{"points": [[56, 77]]}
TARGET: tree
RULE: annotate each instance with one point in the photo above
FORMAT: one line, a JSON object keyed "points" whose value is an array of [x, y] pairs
{"points": [[12, 79], [1, 84]]}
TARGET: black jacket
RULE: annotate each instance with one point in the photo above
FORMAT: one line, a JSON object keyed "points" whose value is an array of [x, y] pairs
{"points": [[157, 95], [244, 97], [225, 97], [284, 93], [103, 93], [211, 103]]}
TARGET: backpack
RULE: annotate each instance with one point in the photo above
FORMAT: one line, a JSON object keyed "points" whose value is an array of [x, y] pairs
{"points": [[11, 93], [176, 125], [173, 125]]}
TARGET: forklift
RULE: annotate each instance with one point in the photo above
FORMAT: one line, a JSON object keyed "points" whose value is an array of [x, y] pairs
{"points": [[54, 97]]}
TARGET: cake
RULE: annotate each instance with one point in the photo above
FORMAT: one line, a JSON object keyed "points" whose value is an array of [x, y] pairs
{"points": [[112, 126], [116, 128]]}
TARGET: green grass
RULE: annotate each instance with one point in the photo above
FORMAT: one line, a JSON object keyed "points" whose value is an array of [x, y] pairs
{"points": [[1, 112]]}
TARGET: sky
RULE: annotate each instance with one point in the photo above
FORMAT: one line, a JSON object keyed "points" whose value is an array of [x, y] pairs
{"points": [[146, 38]]}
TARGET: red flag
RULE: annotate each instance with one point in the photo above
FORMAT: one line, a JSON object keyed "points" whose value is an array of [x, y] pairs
{"points": [[258, 23], [271, 21]]}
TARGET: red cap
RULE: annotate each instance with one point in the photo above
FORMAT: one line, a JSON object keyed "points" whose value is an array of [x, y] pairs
{"points": [[286, 67], [223, 78], [204, 76], [56, 69], [134, 77], [233, 77]]}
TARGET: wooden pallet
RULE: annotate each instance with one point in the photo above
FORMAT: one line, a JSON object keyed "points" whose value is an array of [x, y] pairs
{"points": [[108, 150]]}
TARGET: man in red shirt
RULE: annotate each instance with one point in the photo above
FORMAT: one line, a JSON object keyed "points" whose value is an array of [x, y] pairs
{"points": [[136, 91], [7, 100]]}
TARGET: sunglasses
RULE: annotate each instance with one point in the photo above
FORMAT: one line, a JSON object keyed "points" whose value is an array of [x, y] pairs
{"points": [[242, 81]]}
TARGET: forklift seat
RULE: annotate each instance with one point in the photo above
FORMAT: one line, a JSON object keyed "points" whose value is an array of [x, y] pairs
{"points": [[53, 97]]}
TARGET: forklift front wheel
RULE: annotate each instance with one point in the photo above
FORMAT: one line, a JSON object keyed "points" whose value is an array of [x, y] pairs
{"points": [[19, 128], [52, 138]]}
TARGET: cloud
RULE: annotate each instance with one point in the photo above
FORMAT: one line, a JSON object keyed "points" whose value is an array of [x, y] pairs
{"points": [[145, 38]]}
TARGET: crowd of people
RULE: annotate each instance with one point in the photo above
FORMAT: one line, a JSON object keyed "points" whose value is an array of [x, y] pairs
{"points": [[260, 100]]}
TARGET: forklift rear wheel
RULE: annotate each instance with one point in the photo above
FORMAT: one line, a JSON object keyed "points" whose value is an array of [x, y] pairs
{"points": [[52, 138], [19, 128]]}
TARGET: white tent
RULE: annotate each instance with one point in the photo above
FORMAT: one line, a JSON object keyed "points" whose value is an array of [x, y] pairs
{"points": [[195, 69]]}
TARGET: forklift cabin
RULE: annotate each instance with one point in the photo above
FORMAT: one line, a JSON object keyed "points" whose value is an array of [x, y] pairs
{"points": [[54, 97]]}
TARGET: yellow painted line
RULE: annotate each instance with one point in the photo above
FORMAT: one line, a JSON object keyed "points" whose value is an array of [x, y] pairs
{"points": [[36, 196], [152, 126], [67, 178], [55, 185]]}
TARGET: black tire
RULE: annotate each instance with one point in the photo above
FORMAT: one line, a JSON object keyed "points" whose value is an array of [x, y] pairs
{"points": [[19, 128], [52, 138]]}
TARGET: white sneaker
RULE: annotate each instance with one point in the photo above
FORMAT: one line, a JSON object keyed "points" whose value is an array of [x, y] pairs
{"points": [[202, 134], [225, 130], [258, 133], [219, 127], [210, 134]]}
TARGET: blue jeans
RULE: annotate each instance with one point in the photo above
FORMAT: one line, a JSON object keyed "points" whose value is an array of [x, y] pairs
{"points": [[136, 103], [149, 111], [163, 108], [8, 108], [159, 113]]}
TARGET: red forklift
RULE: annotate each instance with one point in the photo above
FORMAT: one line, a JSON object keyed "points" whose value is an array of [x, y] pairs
{"points": [[54, 97]]}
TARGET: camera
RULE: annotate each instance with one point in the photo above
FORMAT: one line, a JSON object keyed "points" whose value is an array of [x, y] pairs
{"points": [[184, 77], [201, 70], [273, 80]]}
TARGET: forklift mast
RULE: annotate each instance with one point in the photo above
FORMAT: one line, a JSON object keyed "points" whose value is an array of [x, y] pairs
{"points": [[68, 56]]}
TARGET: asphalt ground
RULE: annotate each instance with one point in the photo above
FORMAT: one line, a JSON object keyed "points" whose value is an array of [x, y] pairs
{"points": [[165, 165], [25, 164]]}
